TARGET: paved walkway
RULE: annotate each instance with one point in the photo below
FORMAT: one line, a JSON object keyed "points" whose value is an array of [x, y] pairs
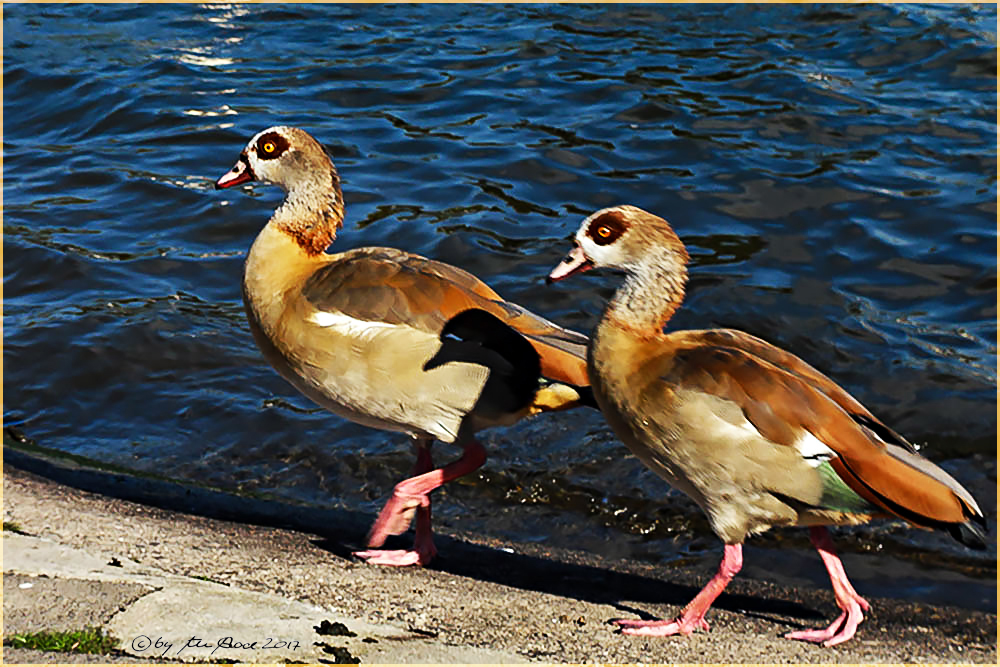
{"points": [[177, 585], [50, 586]]}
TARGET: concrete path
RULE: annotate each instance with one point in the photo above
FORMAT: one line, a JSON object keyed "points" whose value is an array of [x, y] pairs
{"points": [[171, 583], [50, 586]]}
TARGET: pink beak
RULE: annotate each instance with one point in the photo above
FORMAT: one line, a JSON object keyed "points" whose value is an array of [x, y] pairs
{"points": [[575, 262], [240, 173]]}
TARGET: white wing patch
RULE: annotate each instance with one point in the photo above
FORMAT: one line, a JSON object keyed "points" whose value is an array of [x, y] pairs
{"points": [[348, 325], [741, 430], [813, 450], [809, 447], [376, 377]]}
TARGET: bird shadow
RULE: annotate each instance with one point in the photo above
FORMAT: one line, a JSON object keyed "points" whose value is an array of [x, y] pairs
{"points": [[342, 532], [583, 581]]}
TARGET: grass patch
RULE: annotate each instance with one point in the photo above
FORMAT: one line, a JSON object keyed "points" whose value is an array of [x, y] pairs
{"points": [[90, 640], [13, 527]]}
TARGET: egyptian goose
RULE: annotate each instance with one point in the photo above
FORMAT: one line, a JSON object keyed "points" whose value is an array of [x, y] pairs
{"points": [[753, 434], [353, 331]]}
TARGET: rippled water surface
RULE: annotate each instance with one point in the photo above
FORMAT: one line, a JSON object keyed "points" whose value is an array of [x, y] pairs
{"points": [[831, 169]]}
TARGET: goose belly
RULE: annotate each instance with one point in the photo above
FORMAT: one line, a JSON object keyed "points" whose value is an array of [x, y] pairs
{"points": [[372, 373], [742, 481]]}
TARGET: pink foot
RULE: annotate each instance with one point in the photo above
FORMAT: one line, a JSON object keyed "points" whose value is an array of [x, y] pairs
{"points": [[395, 558], [422, 553], [412, 497], [678, 626], [851, 604], [693, 616], [423, 550], [840, 630]]}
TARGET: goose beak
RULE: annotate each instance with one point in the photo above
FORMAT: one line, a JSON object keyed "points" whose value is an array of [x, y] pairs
{"points": [[240, 173], [575, 262]]}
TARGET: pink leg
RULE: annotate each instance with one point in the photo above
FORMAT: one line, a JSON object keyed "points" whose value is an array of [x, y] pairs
{"points": [[423, 542], [851, 604], [411, 496], [693, 615], [423, 550]]}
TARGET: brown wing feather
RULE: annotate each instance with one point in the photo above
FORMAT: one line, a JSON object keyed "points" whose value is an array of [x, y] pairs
{"points": [[782, 403], [787, 361], [396, 287], [563, 352]]}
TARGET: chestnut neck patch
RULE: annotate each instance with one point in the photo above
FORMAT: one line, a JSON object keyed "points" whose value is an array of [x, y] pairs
{"points": [[271, 146], [607, 228]]}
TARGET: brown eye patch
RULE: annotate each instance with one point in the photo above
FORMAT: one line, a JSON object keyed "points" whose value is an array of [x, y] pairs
{"points": [[271, 145], [607, 228]]}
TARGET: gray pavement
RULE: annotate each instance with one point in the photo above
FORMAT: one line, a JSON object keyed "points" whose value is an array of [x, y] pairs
{"points": [[50, 586], [158, 578]]}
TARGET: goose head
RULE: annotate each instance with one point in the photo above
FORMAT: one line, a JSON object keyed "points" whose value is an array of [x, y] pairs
{"points": [[285, 156], [626, 238], [313, 209]]}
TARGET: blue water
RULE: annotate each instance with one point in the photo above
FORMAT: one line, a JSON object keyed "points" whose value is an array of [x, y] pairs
{"points": [[831, 168]]}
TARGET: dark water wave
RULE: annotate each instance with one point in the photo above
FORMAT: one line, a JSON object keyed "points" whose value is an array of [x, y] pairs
{"points": [[831, 168]]}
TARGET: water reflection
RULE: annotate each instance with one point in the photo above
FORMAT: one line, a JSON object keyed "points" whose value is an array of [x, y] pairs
{"points": [[832, 169]]}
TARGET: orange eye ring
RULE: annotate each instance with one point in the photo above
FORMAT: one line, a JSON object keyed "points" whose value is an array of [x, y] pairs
{"points": [[269, 147], [604, 231]]}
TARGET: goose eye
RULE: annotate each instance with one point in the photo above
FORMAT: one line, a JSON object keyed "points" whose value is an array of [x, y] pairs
{"points": [[271, 146], [607, 228]]}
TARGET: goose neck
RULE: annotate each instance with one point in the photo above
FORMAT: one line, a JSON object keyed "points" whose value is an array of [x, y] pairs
{"points": [[652, 292], [312, 213]]}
